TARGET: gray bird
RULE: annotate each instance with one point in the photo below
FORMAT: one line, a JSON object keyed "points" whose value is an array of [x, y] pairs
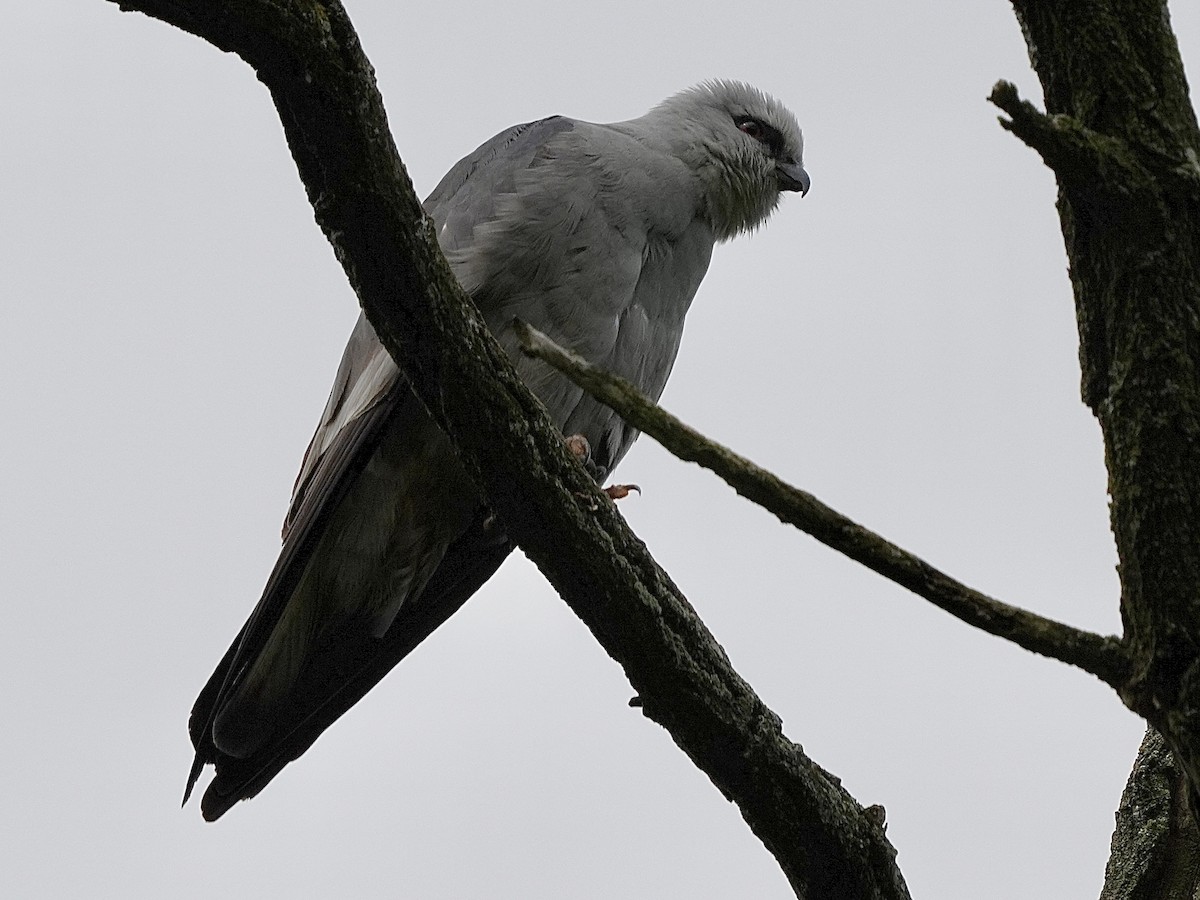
{"points": [[597, 235]]}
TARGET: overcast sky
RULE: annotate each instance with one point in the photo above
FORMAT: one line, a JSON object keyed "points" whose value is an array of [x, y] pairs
{"points": [[901, 342]]}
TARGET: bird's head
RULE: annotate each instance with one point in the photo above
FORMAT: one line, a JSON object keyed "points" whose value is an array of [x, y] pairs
{"points": [[746, 147]]}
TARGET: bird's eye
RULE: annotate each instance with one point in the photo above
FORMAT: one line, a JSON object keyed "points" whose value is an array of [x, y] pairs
{"points": [[752, 128]]}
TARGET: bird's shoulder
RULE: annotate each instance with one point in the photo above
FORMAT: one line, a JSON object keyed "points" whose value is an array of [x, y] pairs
{"points": [[466, 193], [559, 173]]}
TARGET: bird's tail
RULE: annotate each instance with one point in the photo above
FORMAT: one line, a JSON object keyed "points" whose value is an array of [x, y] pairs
{"points": [[341, 667]]}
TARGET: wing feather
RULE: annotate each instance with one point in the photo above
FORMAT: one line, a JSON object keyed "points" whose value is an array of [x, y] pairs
{"points": [[352, 668], [367, 392], [365, 379]]}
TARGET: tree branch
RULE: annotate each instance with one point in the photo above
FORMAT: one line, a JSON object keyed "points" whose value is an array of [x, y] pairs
{"points": [[307, 54], [1102, 656], [1156, 847], [1121, 135], [1109, 171]]}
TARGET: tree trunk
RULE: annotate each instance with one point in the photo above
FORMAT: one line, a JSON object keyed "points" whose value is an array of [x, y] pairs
{"points": [[1121, 136]]}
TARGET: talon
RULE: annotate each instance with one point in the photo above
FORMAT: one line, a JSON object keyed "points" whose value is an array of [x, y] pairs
{"points": [[618, 491]]}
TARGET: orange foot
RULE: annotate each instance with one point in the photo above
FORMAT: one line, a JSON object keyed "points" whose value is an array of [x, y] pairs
{"points": [[618, 491], [579, 447]]}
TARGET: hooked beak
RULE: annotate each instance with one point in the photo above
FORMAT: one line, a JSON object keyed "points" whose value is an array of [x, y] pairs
{"points": [[792, 177]]}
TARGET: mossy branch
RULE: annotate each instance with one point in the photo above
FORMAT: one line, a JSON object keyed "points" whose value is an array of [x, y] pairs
{"points": [[1155, 847], [1121, 135], [1103, 657], [1090, 161]]}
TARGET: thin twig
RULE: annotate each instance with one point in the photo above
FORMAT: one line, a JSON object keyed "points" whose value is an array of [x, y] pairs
{"points": [[1104, 657]]}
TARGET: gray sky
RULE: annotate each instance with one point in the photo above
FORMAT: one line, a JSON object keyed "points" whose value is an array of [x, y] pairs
{"points": [[901, 342]]}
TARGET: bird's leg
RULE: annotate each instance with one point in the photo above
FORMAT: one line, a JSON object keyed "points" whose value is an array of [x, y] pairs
{"points": [[582, 451], [579, 448]]}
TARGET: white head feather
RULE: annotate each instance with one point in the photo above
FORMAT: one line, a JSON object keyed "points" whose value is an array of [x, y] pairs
{"points": [[743, 166]]}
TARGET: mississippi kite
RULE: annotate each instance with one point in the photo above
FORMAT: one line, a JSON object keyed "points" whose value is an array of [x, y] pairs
{"points": [[599, 236]]}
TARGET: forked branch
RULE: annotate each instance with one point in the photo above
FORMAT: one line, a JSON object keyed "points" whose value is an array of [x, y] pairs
{"points": [[1104, 657]]}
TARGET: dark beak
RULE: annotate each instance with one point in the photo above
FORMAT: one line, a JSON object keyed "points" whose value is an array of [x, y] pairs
{"points": [[792, 177]]}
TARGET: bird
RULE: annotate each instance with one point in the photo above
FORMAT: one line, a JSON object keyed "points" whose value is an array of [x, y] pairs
{"points": [[596, 234]]}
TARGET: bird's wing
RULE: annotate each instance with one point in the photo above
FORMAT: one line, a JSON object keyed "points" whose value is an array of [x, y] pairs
{"points": [[366, 379], [600, 245], [368, 392], [349, 669]]}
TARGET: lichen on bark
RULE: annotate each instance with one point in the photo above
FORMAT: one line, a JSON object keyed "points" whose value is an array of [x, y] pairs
{"points": [[1119, 133]]}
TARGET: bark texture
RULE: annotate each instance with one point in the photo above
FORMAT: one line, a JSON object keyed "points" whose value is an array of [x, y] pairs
{"points": [[1156, 847], [308, 56], [1122, 138], [1121, 135]]}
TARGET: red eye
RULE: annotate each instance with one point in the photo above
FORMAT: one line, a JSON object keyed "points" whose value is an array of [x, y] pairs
{"points": [[752, 128]]}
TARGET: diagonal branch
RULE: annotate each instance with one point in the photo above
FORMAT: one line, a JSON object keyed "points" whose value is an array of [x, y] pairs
{"points": [[307, 54], [1104, 657]]}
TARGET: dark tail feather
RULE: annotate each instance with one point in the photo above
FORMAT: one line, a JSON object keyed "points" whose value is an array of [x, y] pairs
{"points": [[342, 671], [204, 710]]}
